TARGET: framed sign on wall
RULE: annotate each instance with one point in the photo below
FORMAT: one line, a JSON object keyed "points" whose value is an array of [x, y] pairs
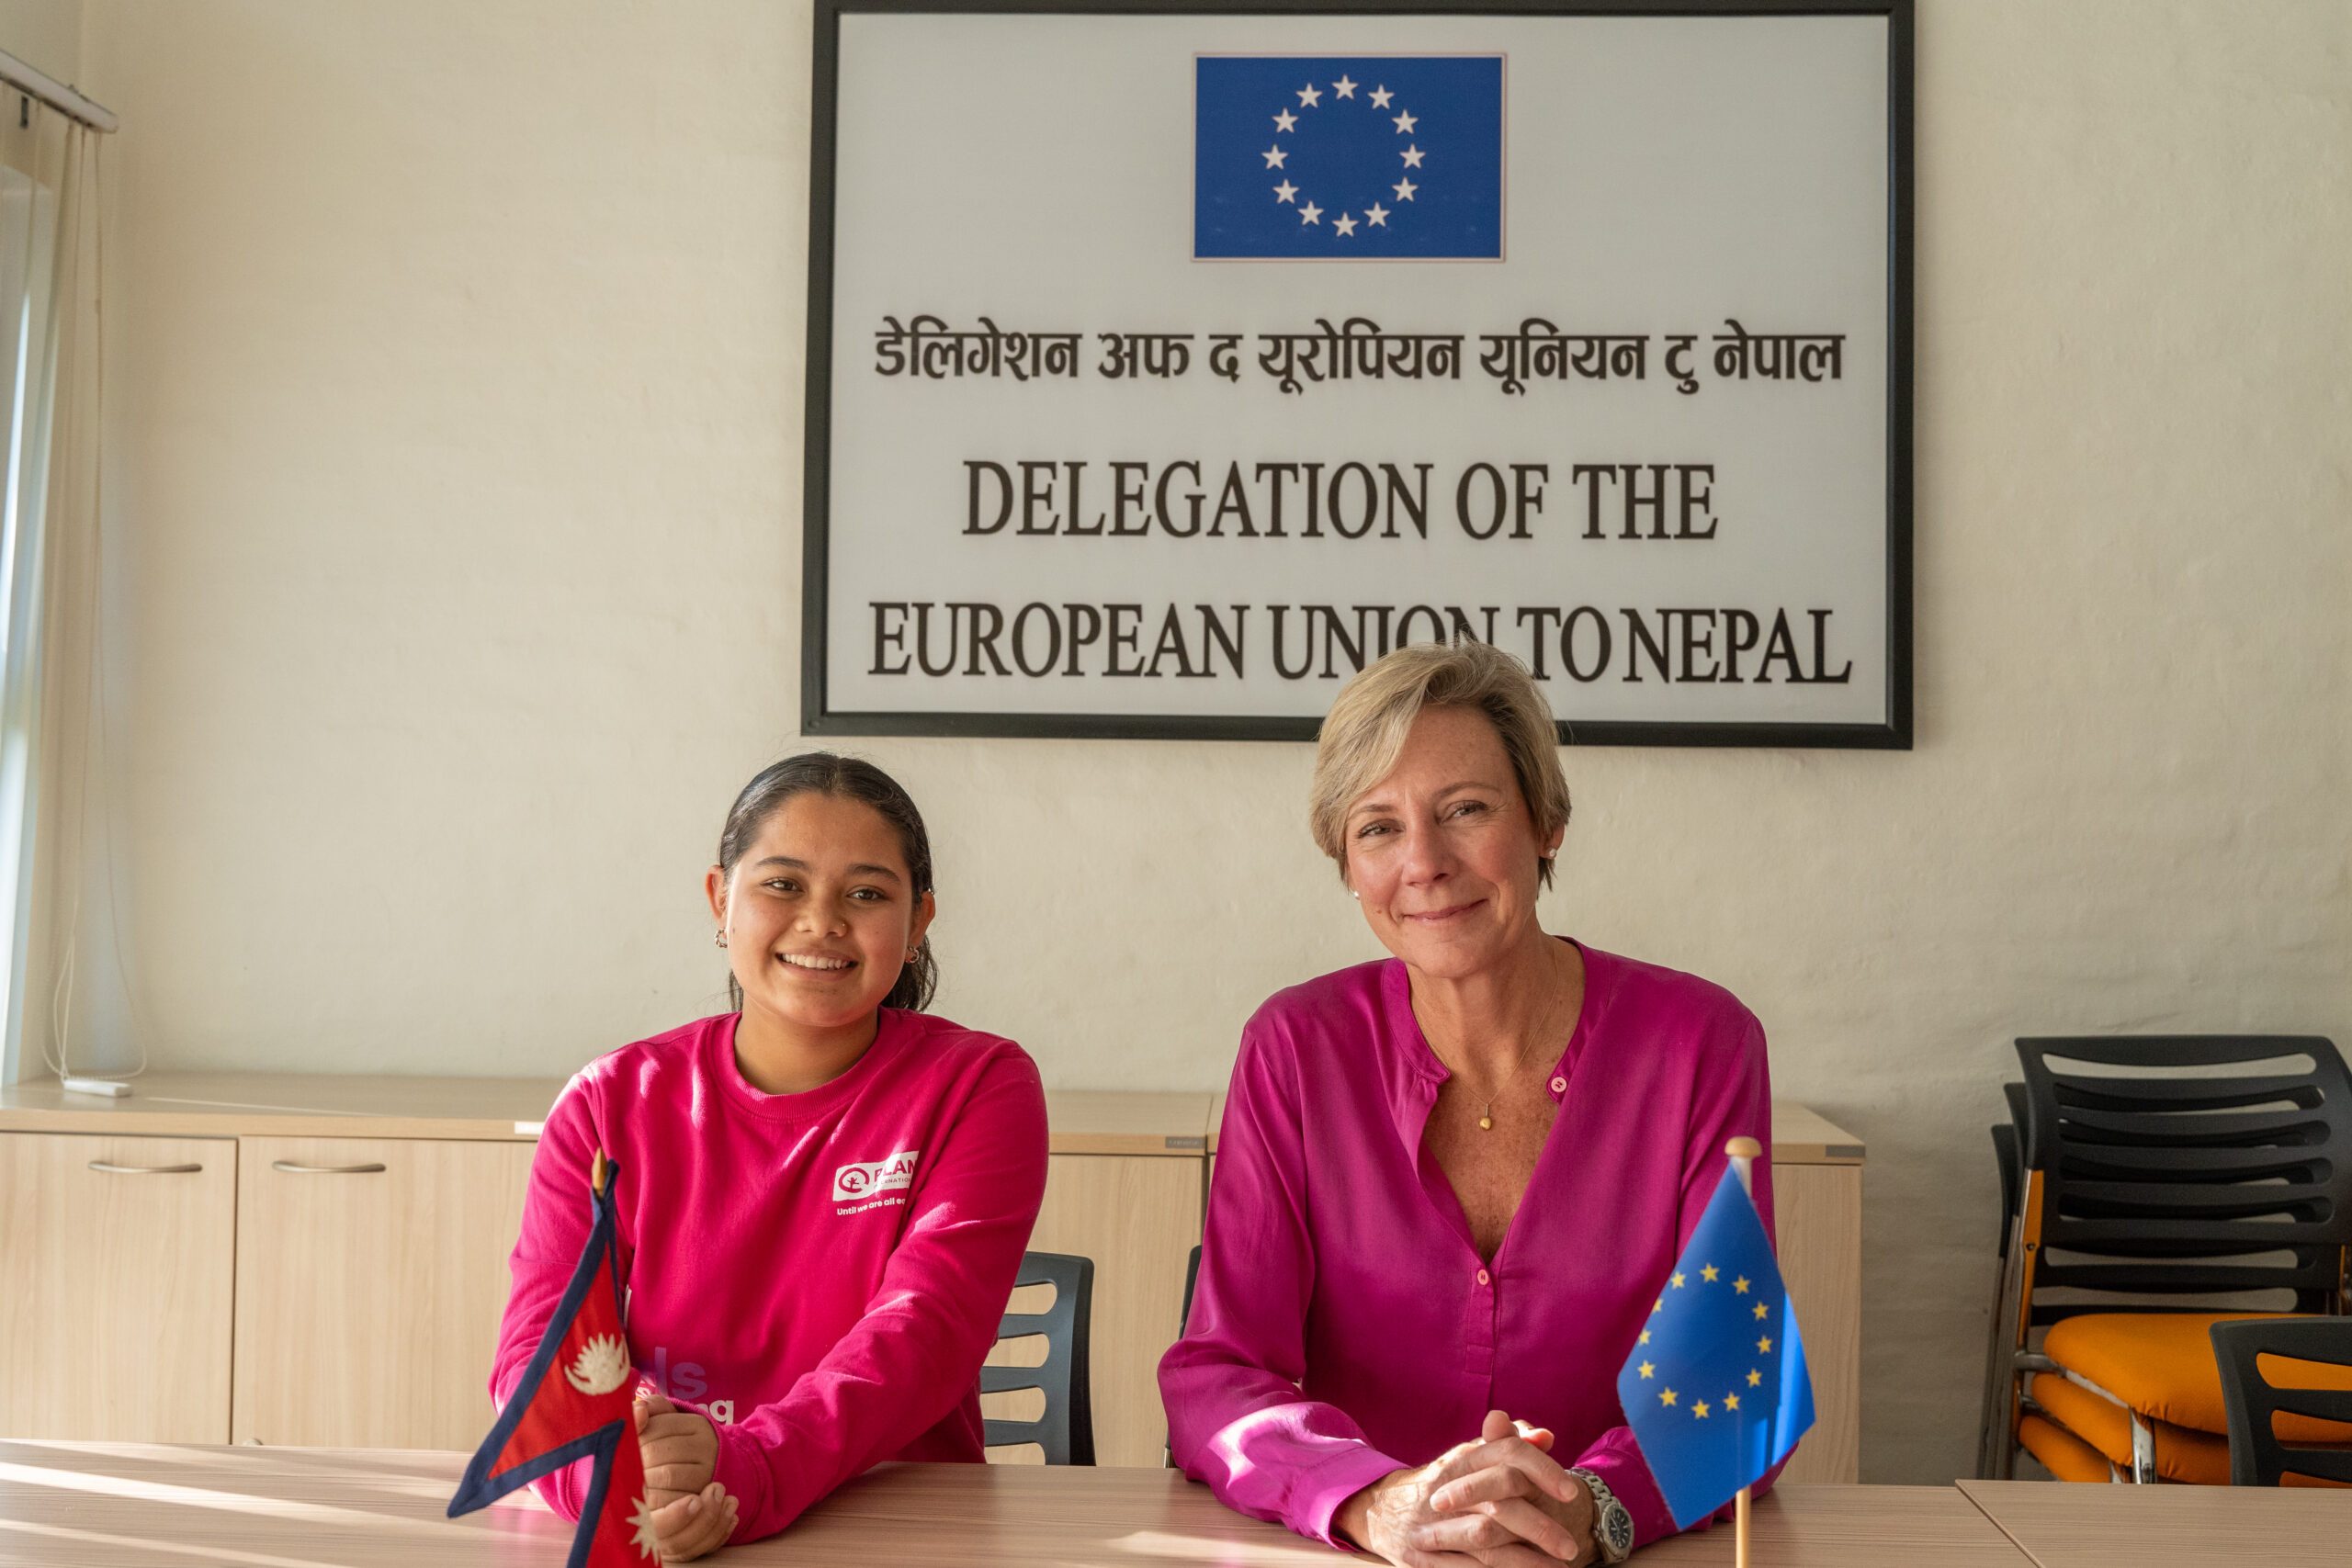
{"points": [[1168, 366]]}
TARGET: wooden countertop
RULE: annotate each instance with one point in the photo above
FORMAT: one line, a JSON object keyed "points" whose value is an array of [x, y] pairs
{"points": [[223, 1105], [228, 1105], [83, 1505], [1800, 1135]]}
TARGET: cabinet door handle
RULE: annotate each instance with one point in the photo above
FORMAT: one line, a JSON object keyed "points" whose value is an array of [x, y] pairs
{"points": [[290, 1169], [110, 1169]]}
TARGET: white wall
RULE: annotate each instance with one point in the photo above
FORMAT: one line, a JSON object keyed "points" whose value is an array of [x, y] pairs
{"points": [[44, 34], [455, 411]]}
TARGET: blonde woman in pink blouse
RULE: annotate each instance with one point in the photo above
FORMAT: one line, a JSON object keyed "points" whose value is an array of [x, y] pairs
{"points": [[1450, 1184]]}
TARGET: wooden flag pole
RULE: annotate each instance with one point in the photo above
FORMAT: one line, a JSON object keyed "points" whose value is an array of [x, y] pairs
{"points": [[598, 1173], [1744, 1153]]}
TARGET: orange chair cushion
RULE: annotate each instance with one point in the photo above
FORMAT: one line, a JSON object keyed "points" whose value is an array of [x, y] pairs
{"points": [[2201, 1459], [2161, 1364], [2062, 1453]]}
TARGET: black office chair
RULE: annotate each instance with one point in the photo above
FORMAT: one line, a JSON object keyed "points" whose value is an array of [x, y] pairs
{"points": [[1191, 1278], [1066, 1430], [2013, 1094], [2259, 1455], [2008, 1162], [2009, 1157]]}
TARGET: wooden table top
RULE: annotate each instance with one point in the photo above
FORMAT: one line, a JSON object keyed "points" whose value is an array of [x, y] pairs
{"points": [[1850, 1526], [2060, 1526], [131, 1505], [1017, 1515]]}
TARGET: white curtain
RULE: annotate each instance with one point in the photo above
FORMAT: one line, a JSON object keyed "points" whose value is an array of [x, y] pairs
{"points": [[49, 361]]}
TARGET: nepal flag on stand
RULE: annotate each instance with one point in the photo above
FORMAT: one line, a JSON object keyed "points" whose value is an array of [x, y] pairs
{"points": [[576, 1400]]}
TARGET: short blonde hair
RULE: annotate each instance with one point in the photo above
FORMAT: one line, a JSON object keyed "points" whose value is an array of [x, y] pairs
{"points": [[1367, 727]]}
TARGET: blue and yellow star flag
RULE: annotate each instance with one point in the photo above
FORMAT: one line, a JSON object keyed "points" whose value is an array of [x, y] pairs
{"points": [[1715, 1391], [1374, 158]]}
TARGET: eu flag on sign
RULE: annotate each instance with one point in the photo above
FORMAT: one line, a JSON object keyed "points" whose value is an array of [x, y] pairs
{"points": [[1379, 157], [1715, 1391]]}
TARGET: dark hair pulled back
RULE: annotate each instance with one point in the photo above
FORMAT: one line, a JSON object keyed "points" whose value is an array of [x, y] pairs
{"points": [[845, 778]]}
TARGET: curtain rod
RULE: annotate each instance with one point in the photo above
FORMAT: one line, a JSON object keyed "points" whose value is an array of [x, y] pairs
{"points": [[55, 93]]}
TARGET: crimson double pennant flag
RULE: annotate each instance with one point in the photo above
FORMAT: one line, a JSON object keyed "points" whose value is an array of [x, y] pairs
{"points": [[575, 1401]]}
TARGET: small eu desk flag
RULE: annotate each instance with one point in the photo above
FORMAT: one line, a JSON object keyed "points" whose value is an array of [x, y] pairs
{"points": [[584, 1410], [1715, 1390], [1345, 158]]}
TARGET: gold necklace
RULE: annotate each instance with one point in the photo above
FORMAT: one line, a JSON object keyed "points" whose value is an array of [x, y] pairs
{"points": [[1526, 1053], [1486, 1117]]}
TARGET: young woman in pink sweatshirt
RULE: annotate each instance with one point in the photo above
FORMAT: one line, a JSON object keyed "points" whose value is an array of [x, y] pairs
{"points": [[822, 1197]]}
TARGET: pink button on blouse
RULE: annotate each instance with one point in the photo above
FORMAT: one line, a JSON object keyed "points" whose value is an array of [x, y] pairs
{"points": [[1345, 1325]]}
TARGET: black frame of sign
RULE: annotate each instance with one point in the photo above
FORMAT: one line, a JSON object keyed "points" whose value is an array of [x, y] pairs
{"points": [[818, 718]]}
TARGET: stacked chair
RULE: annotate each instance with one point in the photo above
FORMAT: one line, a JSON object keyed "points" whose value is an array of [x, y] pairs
{"points": [[2156, 1186]]}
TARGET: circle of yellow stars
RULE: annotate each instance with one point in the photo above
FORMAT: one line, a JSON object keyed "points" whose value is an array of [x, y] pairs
{"points": [[1700, 1409]]}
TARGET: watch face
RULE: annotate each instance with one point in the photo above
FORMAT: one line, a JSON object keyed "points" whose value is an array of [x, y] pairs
{"points": [[1619, 1524]]}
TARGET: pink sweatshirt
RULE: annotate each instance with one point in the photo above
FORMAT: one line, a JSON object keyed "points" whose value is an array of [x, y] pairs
{"points": [[1345, 1327], [822, 1273]]}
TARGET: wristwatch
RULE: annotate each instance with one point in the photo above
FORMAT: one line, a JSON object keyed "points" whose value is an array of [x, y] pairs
{"points": [[1613, 1527]]}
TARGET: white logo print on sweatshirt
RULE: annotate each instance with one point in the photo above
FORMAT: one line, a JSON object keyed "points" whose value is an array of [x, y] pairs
{"points": [[862, 1184]]}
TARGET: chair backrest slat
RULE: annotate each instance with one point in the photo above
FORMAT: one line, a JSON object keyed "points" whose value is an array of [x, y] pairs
{"points": [[2287, 1093], [2194, 1129], [2166, 1163], [2301, 1205]]}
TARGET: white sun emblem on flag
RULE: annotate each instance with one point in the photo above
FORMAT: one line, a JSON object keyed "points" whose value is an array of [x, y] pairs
{"points": [[600, 1367], [647, 1540]]}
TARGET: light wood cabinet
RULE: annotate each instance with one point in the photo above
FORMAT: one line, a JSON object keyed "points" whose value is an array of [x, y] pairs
{"points": [[1817, 1215], [371, 1274], [115, 1281]]}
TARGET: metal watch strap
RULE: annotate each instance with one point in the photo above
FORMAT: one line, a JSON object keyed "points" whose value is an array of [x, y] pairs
{"points": [[1613, 1527]]}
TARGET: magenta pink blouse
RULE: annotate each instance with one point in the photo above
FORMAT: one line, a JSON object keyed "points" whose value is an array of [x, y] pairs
{"points": [[1345, 1325]]}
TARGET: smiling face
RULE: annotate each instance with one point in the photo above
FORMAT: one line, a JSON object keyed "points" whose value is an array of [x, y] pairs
{"points": [[818, 913], [1443, 853]]}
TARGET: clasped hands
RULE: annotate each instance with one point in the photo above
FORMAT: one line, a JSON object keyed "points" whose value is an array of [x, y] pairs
{"points": [[693, 1515], [1500, 1501]]}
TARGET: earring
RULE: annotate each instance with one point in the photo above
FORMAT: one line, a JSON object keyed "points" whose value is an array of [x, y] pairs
{"points": [[719, 938], [1357, 896], [912, 954]]}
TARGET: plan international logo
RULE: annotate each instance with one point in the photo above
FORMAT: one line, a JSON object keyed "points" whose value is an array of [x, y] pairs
{"points": [[1375, 158], [852, 1183]]}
